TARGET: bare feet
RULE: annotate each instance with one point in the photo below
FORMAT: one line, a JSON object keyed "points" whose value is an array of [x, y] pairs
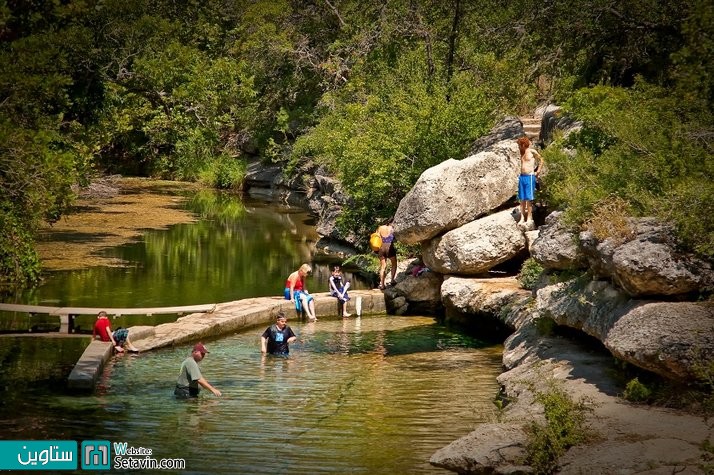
{"points": [[345, 315]]}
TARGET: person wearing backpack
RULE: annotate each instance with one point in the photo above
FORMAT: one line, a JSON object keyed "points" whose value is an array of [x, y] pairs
{"points": [[387, 251]]}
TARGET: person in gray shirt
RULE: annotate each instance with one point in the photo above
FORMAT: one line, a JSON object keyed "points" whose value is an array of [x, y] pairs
{"points": [[190, 378]]}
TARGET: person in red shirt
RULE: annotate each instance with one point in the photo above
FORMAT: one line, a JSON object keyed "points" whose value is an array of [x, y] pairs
{"points": [[103, 330]]}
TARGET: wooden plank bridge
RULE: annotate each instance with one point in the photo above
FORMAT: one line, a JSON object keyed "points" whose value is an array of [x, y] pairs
{"points": [[67, 314]]}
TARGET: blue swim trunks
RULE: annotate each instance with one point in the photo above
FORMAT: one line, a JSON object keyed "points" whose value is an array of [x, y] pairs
{"points": [[526, 187], [120, 336], [297, 294]]}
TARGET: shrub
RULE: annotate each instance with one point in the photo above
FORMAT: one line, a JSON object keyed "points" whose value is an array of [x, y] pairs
{"points": [[530, 272], [224, 172], [635, 391], [610, 219], [564, 427]]}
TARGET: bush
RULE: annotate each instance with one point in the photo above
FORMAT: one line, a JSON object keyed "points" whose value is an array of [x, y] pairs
{"points": [[224, 172], [530, 273], [564, 427], [635, 391], [638, 155], [19, 263], [610, 219]]}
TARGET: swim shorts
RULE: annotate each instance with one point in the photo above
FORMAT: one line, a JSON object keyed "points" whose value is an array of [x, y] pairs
{"points": [[526, 187]]}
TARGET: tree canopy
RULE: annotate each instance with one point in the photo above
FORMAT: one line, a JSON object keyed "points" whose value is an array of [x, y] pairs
{"points": [[375, 91]]}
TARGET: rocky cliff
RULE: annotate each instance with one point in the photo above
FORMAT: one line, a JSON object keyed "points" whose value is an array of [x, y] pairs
{"points": [[638, 299]]}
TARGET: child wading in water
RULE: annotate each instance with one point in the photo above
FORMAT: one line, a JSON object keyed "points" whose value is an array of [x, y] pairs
{"points": [[338, 288]]}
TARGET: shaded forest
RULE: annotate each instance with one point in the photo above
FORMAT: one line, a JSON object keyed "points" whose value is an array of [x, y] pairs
{"points": [[375, 91]]}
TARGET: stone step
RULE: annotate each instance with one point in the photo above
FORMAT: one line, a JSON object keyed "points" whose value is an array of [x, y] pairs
{"points": [[531, 127], [530, 120]]}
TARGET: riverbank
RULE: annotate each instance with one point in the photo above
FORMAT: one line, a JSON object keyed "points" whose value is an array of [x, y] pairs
{"points": [[621, 437]]}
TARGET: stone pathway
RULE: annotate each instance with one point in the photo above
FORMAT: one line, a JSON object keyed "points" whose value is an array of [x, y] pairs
{"points": [[225, 319], [234, 316]]}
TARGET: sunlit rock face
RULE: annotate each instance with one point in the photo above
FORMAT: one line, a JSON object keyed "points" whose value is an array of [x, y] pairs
{"points": [[456, 192], [475, 247]]}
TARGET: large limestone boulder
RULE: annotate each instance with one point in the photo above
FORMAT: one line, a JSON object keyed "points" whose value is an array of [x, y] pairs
{"points": [[556, 246], [475, 247], [495, 300], [672, 339], [649, 263], [456, 192]]}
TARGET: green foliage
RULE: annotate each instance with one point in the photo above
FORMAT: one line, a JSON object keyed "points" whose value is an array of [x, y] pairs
{"points": [[36, 172], [639, 146], [19, 263], [379, 137], [376, 92], [565, 426], [635, 391], [530, 273], [224, 173]]}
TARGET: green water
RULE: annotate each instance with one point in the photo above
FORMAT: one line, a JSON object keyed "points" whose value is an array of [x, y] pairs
{"points": [[374, 395], [237, 249]]}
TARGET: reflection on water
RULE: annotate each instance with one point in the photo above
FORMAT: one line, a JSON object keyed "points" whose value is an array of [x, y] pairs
{"points": [[376, 395], [237, 249]]}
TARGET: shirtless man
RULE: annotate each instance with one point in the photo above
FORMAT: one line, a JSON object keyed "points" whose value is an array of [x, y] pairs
{"points": [[527, 179]]}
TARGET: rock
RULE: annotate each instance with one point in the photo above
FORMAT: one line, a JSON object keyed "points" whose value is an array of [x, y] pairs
{"points": [[642, 267], [624, 438], [475, 247], [497, 298], [553, 119], [456, 192], [264, 181], [531, 236], [671, 339], [489, 446], [649, 263], [510, 128], [414, 295], [557, 246]]}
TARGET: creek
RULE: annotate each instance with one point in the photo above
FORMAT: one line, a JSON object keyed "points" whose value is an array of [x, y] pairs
{"points": [[375, 395]]}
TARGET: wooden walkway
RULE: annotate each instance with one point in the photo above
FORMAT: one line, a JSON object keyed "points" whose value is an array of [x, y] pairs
{"points": [[67, 314]]}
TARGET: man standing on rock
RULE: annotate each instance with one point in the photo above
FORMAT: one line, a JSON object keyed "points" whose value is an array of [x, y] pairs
{"points": [[190, 377], [527, 180]]}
